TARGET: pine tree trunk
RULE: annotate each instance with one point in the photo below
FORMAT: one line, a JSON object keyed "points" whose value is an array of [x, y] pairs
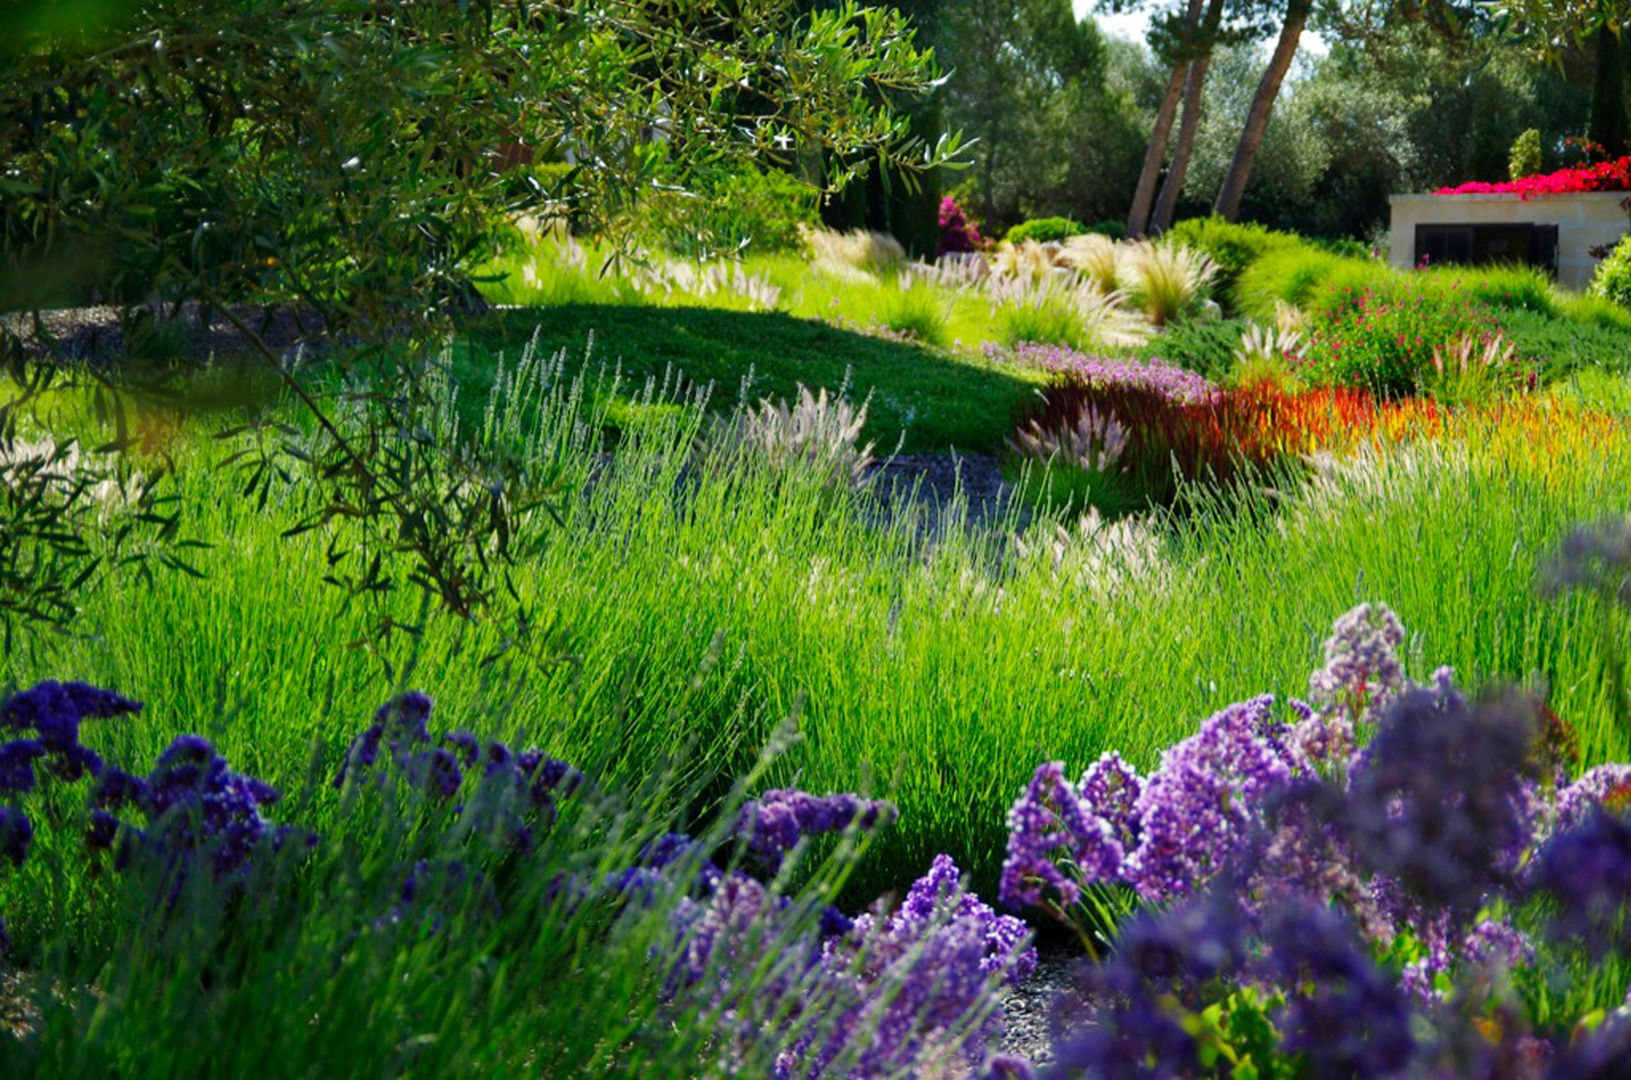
{"points": [[1194, 89], [1257, 119], [1138, 218]]}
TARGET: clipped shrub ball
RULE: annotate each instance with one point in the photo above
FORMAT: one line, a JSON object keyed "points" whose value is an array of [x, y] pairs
{"points": [[1045, 230]]}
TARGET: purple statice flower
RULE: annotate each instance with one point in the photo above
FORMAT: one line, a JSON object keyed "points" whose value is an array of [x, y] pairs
{"points": [[1595, 557], [1587, 869], [16, 834], [466, 745], [779, 819], [921, 973], [399, 725], [1604, 786], [1200, 807], [17, 765], [1493, 943], [193, 804], [1174, 383], [101, 830], [1049, 823], [94, 703], [1008, 1067], [53, 711], [1132, 1003], [1342, 1012], [1436, 803], [116, 789], [1362, 669], [714, 930], [436, 771], [639, 884], [1110, 788]]}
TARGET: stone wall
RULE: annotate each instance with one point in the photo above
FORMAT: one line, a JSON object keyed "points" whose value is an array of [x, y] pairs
{"points": [[1583, 221]]}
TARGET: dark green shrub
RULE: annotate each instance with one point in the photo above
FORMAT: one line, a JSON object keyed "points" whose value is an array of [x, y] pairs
{"points": [[1115, 230], [1561, 346], [1044, 230], [1233, 247], [1207, 348]]}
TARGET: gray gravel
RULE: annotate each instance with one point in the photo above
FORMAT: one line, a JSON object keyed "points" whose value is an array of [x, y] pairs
{"points": [[1027, 1008]]}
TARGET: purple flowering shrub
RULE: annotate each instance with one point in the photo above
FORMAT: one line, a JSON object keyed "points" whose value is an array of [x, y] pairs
{"points": [[1290, 848]]}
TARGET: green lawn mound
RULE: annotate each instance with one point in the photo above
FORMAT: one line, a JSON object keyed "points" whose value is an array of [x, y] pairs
{"points": [[940, 401]]}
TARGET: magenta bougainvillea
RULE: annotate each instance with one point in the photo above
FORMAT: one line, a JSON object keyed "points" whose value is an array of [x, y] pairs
{"points": [[957, 233], [1604, 176]]}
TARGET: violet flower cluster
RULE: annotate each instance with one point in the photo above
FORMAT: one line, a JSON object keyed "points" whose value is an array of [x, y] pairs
{"points": [[195, 810], [1174, 383], [893, 989], [511, 792], [779, 819], [1299, 843], [43, 724]]}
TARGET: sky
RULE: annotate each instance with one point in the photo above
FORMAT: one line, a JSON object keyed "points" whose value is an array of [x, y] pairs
{"points": [[1133, 25]]}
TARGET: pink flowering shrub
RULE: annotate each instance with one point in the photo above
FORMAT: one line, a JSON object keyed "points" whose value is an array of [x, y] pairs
{"points": [[1382, 339], [1612, 175], [957, 233]]}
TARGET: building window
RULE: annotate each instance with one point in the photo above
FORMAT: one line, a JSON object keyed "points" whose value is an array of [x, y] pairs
{"points": [[1475, 245]]}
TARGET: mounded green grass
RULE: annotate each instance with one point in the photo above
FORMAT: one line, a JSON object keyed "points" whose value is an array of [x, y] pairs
{"points": [[937, 400]]}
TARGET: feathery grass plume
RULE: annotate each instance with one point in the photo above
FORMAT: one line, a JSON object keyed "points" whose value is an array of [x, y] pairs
{"points": [[1025, 261], [1094, 441], [1097, 258], [1472, 367], [1290, 319], [953, 270], [817, 433], [858, 255], [1165, 280], [1267, 356], [1095, 554], [1060, 311]]}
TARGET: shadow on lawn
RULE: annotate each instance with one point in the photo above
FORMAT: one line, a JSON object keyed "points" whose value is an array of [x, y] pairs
{"points": [[941, 401]]}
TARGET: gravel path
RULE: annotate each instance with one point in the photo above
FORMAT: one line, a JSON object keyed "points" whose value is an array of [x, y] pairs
{"points": [[1027, 1008], [95, 334]]}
